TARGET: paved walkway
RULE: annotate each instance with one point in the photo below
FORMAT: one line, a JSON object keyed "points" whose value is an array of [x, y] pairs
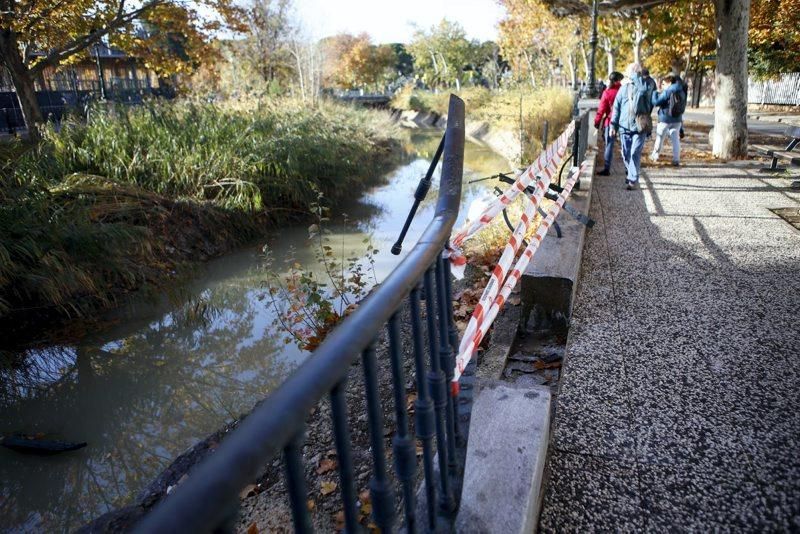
{"points": [[679, 405], [763, 123]]}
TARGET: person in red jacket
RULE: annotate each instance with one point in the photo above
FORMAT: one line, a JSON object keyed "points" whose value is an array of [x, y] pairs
{"points": [[603, 119]]}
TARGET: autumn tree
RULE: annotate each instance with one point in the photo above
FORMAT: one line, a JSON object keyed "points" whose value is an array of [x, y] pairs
{"points": [[443, 55], [60, 30], [266, 48], [534, 40], [774, 36], [353, 61], [613, 33]]}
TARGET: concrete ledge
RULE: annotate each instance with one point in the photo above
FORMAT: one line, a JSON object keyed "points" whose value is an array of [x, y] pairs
{"points": [[505, 460], [551, 279]]}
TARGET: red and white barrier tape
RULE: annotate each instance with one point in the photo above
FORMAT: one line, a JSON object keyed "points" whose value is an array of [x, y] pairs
{"points": [[532, 202], [484, 319], [543, 166]]}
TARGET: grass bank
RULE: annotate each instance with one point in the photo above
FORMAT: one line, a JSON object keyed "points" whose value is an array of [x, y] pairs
{"points": [[106, 205], [503, 111]]}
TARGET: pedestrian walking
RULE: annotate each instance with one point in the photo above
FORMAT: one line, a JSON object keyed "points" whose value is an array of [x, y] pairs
{"points": [[671, 104], [631, 120], [602, 120]]}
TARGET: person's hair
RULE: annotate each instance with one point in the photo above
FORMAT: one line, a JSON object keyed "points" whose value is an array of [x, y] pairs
{"points": [[645, 71], [633, 68], [669, 78], [616, 77]]}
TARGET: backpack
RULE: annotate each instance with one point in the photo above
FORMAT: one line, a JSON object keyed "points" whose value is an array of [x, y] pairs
{"points": [[642, 109], [677, 103]]}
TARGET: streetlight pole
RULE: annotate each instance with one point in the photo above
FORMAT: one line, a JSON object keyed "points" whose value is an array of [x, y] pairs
{"points": [[592, 89]]}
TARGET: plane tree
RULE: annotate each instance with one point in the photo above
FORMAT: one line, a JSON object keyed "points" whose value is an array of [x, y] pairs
{"points": [[39, 34], [731, 23]]}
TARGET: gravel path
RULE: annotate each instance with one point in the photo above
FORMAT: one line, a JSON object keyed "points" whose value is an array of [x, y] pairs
{"points": [[679, 406]]}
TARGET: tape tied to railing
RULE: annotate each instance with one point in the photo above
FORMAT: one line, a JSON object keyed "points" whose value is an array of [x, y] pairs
{"points": [[544, 167], [500, 286]]}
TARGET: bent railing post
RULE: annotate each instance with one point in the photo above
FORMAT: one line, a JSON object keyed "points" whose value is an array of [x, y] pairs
{"points": [[276, 426]]}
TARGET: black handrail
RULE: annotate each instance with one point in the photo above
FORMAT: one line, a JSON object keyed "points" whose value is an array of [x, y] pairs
{"points": [[211, 498]]}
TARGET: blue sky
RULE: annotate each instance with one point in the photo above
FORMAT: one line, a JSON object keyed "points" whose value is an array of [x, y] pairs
{"points": [[392, 21]]}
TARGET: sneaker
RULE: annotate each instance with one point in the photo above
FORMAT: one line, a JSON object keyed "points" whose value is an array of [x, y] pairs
{"points": [[676, 164], [628, 185], [604, 172]]}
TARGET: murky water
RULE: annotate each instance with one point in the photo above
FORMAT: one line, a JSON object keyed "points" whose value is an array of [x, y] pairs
{"points": [[171, 373]]}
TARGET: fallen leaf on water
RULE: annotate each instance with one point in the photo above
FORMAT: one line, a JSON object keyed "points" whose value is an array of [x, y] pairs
{"points": [[252, 529], [248, 491], [326, 488], [325, 465]]}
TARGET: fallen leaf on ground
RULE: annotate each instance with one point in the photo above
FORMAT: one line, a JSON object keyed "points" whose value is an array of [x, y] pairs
{"points": [[325, 465], [338, 520], [541, 365], [412, 397], [366, 508], [326, 487], [513, 300], [248, 491], [252, 529], [310, 504]]}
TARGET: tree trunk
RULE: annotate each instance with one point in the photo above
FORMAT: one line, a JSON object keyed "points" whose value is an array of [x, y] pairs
{"points": [[23, 82], [573, 70], [639, 35], [612, 60], [730, 106]]}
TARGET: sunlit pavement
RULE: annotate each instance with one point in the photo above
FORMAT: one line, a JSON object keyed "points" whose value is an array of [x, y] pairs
{"points": [[679, 406]]}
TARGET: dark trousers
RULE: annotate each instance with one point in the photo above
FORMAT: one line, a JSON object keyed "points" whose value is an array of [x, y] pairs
{"points": [[608, 153]]}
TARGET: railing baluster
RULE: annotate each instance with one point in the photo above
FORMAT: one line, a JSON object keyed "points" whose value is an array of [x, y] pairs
{"points": [[296, 483], [446, 362], [436, 383], [405, 459], [423, 407], [341, 435], [451, 325], [379, 487]]}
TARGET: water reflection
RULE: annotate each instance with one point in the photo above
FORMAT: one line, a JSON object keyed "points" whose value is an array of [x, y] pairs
{"points": [[171, 373]]}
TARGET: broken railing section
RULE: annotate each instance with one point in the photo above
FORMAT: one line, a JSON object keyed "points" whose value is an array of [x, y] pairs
{"points": [[210, 502], [503, 278]]}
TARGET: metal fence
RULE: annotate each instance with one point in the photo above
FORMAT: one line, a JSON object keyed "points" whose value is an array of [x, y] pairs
{"points": [[784, 90], [210, 501]]}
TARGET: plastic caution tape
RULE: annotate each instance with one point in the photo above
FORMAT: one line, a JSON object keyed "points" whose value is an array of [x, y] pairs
{"points": [[544, 166], [547, 164], [485, 317]]}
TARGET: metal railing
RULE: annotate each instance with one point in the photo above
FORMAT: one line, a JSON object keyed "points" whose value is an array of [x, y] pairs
{"points": [[211, 500]]}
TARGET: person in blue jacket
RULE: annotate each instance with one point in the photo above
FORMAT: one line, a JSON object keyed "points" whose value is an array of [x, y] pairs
{"points": [[634, 97], [670, 121]]}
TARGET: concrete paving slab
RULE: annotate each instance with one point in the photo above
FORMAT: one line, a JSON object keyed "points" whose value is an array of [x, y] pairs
{"points": [[591, 493], [505, 459], [686, 317]]}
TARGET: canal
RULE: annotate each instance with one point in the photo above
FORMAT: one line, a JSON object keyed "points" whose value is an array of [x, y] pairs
{"points": [[168, 373]]}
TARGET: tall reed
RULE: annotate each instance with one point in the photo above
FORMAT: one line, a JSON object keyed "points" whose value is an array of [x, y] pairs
{"points": [[101, 205]]}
